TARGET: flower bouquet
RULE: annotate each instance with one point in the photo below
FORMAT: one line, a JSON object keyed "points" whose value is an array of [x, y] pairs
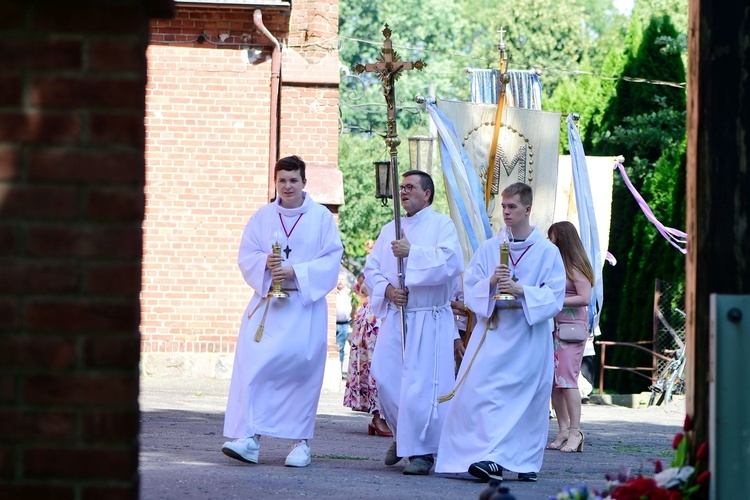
{"points": [[680, 481]]}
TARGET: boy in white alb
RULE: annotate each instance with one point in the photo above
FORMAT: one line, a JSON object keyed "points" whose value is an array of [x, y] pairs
{"points": [[281, 347], [505, 380]]}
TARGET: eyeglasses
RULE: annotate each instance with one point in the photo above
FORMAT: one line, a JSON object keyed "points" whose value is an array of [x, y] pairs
{"points": [[407, 188]]}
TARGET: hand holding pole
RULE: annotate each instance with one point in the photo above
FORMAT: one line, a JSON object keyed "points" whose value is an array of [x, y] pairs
{"points": [[389, 68]]}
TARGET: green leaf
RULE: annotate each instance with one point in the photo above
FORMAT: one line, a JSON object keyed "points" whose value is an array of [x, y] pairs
{"points": [[681, 455]]}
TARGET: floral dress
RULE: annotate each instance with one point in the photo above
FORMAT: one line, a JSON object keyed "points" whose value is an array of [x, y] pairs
{"points": [[360, 393]]}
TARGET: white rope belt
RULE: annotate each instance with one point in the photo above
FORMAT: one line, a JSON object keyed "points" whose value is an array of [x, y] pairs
{"points": [[436, 311]]}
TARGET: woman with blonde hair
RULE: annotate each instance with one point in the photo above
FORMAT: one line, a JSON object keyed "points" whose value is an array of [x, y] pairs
{"points": [[566, 399]]}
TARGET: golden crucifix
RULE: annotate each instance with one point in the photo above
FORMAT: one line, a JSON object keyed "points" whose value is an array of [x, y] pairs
{"points": [[389, 68]]}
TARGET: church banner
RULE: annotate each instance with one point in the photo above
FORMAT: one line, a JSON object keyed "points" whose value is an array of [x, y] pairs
{"points": [[527, 151]]}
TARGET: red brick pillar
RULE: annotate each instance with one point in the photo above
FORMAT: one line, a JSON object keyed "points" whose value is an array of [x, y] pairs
{"points": [[72, 77]]}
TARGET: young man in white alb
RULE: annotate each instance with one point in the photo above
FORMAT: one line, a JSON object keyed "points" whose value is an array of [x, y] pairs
{"points": [[281, 347], [505, 380]]}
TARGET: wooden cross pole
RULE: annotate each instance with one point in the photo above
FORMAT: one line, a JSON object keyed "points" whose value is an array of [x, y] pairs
{"points": [[389, 67]]}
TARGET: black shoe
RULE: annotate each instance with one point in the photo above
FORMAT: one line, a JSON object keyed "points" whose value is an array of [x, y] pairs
{"points": [[486, 470], [419, 465], [390, 456], [527, 476]]}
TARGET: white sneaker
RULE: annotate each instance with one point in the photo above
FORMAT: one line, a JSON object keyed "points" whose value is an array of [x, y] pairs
{"points": [[299, 456], [245, 450]]}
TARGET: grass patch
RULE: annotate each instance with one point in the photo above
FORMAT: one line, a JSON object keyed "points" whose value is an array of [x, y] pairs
{"points": [[628, 448], [341, 457]]}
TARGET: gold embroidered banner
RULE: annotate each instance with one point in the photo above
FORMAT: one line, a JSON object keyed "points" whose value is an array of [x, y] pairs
{"points": [[527, 151]]}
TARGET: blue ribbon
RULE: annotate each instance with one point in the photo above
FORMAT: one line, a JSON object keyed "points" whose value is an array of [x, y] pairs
{"points": [[471, 175]]}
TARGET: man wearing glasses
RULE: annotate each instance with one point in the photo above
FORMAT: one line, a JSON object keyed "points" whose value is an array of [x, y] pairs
{"points": [[411, 376]]}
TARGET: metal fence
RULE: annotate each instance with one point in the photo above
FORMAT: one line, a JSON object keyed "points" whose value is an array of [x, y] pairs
{"points": [[669, 307], [668, 323]]}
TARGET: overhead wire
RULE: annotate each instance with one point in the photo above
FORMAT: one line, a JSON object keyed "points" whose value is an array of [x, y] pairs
{"points": [[679, 85]]}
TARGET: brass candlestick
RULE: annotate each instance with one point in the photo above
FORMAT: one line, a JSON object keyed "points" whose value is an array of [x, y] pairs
{"points": [[504, 258], [276, 291]]}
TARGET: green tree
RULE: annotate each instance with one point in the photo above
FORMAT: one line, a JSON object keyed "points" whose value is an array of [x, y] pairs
{"points": [[541, 34], [431, 36], [451, 35], [589, 89], [646, 124], [362, 216], [601, 17]]}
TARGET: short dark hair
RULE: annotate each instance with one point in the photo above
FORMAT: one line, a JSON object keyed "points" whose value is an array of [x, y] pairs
{"points": [[290, 164], [523, 191], [425, 181]]}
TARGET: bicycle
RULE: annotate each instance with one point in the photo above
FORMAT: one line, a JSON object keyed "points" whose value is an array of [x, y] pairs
{"points": [[671, 379]]}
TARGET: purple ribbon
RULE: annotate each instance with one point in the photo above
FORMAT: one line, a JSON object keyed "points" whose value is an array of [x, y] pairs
{"points": [[675, 237]]}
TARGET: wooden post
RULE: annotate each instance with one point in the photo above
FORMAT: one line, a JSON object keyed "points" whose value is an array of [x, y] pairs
{"points": [[718, 180], [655, 331]]}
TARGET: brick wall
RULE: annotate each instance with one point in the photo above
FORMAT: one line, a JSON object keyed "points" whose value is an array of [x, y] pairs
{"points": [[207, 158], [72, 94], [207, 147]]}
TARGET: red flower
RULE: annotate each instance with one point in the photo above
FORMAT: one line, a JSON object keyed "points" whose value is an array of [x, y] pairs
{"points": [[665, 494], [659, 494], [703, 478], [635, 489], [688, 425], [658, 466], [641, 487], [702, 452], [677, 438]]}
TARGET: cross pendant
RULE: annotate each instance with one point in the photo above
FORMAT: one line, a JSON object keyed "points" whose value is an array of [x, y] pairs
{"points": [[287, 251], [514, 277]]}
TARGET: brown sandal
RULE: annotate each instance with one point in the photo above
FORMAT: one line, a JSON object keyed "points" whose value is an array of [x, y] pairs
{"points": [[575, 446], [559, 439]]}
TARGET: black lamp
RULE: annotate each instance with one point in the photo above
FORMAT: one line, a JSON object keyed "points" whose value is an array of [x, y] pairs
{"points": [[383, 181]]}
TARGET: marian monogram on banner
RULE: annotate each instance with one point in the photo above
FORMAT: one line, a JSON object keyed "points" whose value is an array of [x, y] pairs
{"points": [[526, 151], [505, 165]]}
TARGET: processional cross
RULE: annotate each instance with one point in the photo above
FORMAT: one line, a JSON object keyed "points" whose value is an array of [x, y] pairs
{"points": [[504, 79], [389, 68]]}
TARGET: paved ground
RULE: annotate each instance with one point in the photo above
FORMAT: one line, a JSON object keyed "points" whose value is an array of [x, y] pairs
{"points": [[181, 425]]}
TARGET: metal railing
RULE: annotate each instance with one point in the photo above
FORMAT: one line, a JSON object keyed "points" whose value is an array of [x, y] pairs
{"points": [[666, 337]]}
